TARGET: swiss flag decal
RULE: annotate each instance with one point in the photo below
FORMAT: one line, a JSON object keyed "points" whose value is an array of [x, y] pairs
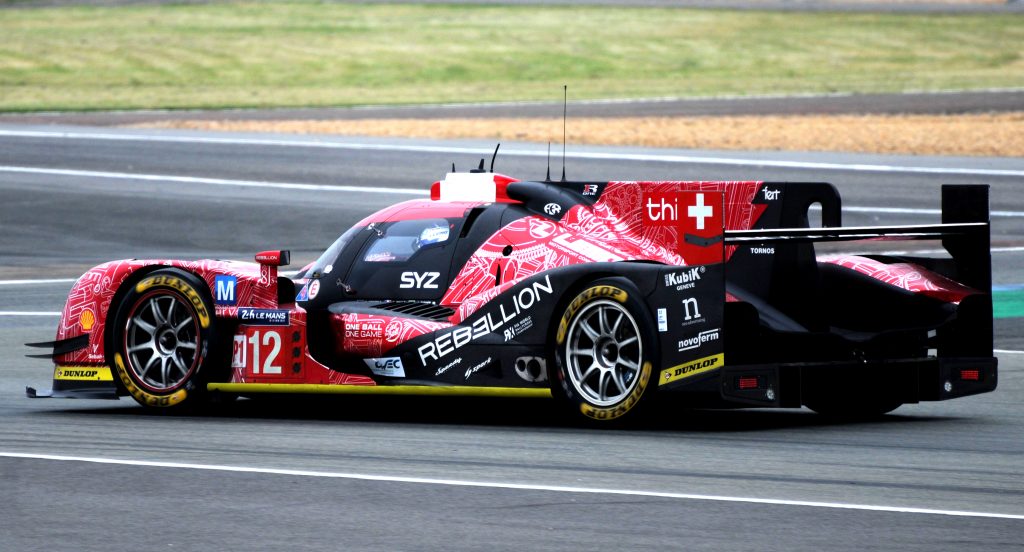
{"points": [[697, 217]]}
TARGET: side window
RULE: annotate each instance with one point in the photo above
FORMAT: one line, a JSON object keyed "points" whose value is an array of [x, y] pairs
{"points": [[401, 240]]}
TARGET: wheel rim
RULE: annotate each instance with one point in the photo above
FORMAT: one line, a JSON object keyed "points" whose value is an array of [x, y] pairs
{"points": [[161, 340], [603, 353]]}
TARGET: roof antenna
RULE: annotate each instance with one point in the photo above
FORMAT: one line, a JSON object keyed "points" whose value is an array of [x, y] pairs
{"points": [[453, 166], [548, 177], [565, 102], [495, 156]]}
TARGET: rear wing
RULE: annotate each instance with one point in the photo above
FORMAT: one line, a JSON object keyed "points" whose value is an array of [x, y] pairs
{"points": [[790, 275], [965, 233]]}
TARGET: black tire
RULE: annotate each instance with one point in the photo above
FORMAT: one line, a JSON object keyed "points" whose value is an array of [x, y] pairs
{"points": [[162, 336], [605, 352]]}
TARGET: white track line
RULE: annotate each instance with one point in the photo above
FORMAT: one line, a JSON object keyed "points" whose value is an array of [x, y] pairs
{"points": [[371, 189], [664, 158], [215, 181], [1007, 352], [516, 486], [43, 281], [28, 313]]}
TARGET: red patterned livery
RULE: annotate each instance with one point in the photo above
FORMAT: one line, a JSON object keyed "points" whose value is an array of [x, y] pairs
{"points": [[597, 293]]}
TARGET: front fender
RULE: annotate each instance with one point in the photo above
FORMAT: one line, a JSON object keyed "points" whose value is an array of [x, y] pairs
{"points": [[93, 299]]}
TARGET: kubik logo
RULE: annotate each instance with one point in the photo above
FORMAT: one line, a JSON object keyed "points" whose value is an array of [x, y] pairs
{"points": [[686, 279], [225, 289]]}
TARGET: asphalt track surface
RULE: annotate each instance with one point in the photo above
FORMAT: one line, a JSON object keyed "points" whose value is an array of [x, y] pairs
{"points": [[425, 475]]}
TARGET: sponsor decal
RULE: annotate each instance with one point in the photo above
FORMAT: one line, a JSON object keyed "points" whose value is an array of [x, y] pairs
{"points": [[373, 329], [613, 412], [447, 367], [696, 216], [552, 209], [419, 280], [692, 368], [390, 367], [511, 306], [224, 288], [87, 319], [770, 195], [596, 292], [662, 319], [328, 269], [518, 328], [691, 311], [263, 317], [303, 293], [238, 349], [314, 289], [474, 369], [762, 250], [187, 290], [706, 336], [82, 373], [663, 209], [269, 257], [590, 189], [686, 279]]}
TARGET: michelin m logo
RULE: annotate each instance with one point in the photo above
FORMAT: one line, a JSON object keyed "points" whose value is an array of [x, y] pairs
{"points": [[224, 289]]}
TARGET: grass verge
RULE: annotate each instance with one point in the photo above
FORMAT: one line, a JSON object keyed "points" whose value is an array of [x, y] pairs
{"points": [[314, 54]]}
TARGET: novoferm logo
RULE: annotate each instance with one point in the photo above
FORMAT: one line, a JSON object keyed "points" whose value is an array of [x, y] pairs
{"points": [[692, 368]]}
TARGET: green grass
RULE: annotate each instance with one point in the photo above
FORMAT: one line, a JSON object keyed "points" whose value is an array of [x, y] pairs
{"points": [[310, 54]]}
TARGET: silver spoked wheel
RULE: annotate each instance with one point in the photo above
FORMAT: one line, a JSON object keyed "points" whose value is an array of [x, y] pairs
{"points": [[161, 340], [603, 351]]}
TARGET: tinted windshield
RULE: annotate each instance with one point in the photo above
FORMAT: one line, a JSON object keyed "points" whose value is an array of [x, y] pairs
{"points": [[323, 264]]}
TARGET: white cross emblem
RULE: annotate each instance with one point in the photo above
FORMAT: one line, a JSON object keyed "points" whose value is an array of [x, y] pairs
{"points": [[700, 211]]}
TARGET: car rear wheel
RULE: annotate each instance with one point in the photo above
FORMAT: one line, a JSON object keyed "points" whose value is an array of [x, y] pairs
{"points": [[161, 336], [604, 351]]}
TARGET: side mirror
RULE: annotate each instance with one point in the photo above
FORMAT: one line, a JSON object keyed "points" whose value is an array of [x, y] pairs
{"points": [[274, 258]]}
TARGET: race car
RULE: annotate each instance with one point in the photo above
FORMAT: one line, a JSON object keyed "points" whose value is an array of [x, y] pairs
{"points": [[600, 295]]}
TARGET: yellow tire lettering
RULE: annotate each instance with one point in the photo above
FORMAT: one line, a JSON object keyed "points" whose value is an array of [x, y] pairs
{"points": [[596, 292], [141, 395], [184, 288], [613, 412]]}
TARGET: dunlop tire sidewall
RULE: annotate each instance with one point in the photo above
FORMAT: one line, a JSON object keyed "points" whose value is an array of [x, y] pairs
{"points": [[195, 386], [565, 392]]}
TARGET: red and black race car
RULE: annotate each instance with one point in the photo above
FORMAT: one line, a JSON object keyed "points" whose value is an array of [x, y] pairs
{"points": [[599, 294]]}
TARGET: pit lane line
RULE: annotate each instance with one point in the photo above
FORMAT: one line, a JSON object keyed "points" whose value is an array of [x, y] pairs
{"points": [[513, 486], [380, 189], [664, 158]]}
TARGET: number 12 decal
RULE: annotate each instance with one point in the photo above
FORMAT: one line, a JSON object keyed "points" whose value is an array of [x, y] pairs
{"points": [[269, 337]]}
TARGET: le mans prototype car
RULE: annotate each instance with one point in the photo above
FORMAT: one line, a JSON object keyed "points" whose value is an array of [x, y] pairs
{"points": [[598, 294]]}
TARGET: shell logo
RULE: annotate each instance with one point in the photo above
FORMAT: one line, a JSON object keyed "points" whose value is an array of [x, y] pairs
{"points": [[87, 319]]}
